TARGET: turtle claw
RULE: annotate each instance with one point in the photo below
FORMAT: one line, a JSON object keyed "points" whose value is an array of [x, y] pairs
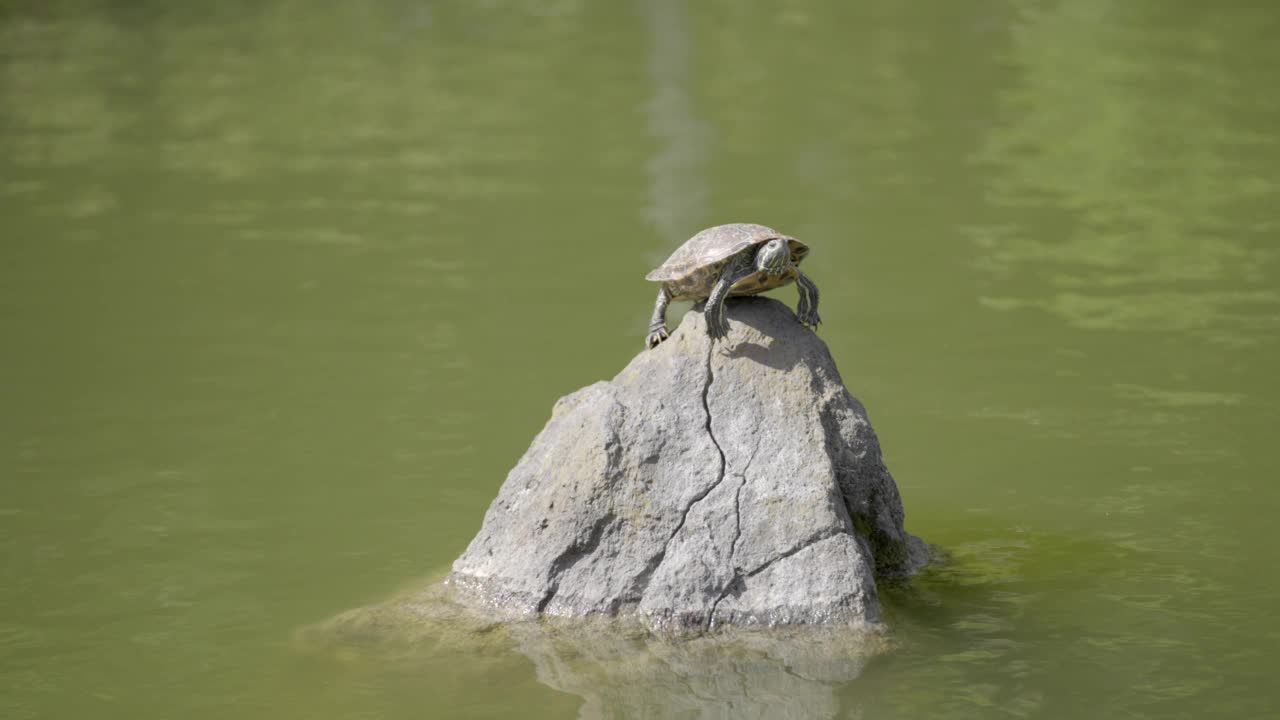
{"points": [[655, 337], [810, 319], [717, 326]]}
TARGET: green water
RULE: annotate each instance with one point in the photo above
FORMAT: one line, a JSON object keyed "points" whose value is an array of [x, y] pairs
{"points": [[286, 288]]}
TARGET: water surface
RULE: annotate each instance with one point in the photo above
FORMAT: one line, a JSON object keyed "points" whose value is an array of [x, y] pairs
{"points": [[287, 288]]}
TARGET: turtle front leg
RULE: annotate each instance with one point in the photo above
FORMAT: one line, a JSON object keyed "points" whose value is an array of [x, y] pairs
{"points": [[658, 326], [717, 323], [807, 310]]}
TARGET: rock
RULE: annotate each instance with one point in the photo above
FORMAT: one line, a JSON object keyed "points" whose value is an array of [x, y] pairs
{"points": [[740, 486]]}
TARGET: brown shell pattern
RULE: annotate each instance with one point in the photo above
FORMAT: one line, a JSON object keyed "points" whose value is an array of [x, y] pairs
{"points": [[692, 270]]}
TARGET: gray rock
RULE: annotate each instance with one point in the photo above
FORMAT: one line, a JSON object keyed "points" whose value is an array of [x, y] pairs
{"points": [[739, 485]]}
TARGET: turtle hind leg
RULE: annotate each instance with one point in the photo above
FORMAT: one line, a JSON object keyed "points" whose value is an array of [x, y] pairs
{"points": [[658, 325], [807, 310]]}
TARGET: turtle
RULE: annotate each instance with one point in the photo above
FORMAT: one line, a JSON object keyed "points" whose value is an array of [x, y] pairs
{"points": [[734, 259]]}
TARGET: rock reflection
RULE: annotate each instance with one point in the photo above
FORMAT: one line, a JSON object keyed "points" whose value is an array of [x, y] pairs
{"points": [[617, 671], [755, 674]]}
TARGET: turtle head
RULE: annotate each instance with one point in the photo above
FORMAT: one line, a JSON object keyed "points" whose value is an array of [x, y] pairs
{"points": [[773, 256]]}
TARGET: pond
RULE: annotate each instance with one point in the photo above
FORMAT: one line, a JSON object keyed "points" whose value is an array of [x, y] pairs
{"points": [[287, 288]]}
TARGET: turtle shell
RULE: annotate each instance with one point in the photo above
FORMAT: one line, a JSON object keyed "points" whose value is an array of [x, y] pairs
{"points": [[694, 267]]}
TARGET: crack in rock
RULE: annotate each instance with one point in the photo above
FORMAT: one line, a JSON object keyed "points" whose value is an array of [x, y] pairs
{"points": [[733, 551], [706, 406], [825, 534], [737, 505], [737, 535], [642, 580], [738, 581]]}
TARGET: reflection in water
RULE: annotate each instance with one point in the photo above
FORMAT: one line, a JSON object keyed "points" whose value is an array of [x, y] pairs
{"points": [[752, 675], [1128, 129], [617, 672], [677, 195]]}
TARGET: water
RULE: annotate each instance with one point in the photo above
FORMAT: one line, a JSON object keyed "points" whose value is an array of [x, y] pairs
{"points": [[286, 289]]}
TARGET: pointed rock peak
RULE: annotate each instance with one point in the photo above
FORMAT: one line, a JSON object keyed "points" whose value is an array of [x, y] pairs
{"points": [[734, 484]]}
